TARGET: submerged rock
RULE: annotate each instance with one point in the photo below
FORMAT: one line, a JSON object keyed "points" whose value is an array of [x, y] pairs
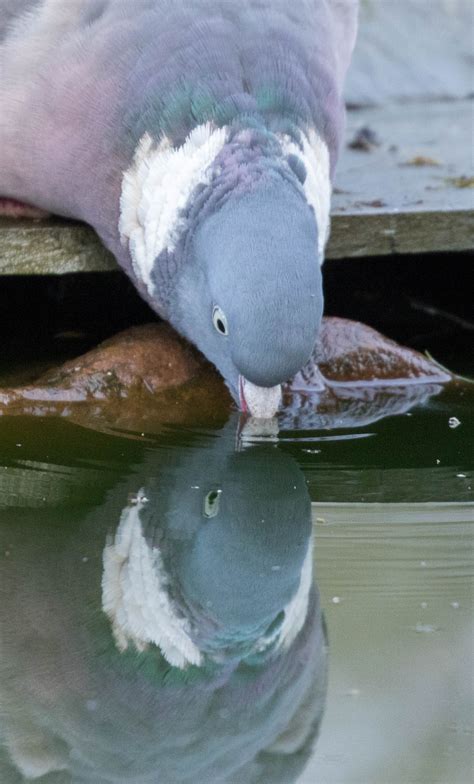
{"points": [[137, 379], [349, 353], [148, 358], [355, 377], [149, 375]]}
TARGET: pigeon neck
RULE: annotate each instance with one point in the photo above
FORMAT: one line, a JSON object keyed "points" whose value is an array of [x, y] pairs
{"points": [[169, 190]]}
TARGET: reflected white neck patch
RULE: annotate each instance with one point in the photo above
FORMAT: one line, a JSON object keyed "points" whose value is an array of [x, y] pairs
{"points": [[135, 596], [297, 609], [295, 612]]}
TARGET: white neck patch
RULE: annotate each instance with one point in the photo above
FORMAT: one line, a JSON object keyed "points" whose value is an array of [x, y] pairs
{"points": [[135, 596], [317, 187], [162, 178], [157, 187]]}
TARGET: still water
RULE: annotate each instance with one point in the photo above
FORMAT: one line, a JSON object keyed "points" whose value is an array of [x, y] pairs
{"points": [[185, 605]]}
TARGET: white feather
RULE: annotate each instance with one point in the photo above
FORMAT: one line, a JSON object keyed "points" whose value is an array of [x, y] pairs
{"points": [[317, 187], [159, 183], [157, 188], [135, 596], [295, 612], [297, 609]]}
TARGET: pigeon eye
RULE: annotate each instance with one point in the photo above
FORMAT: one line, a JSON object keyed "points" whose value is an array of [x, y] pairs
{"points": [[211, 503], [219, 320]]}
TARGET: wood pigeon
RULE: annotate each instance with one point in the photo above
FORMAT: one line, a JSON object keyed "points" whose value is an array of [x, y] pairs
{"points": [[199, 139]]}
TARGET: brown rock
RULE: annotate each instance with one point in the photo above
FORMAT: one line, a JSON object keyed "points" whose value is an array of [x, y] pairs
{"points": [[349, 353], [138, 379], [151, 357], [146, 376]]}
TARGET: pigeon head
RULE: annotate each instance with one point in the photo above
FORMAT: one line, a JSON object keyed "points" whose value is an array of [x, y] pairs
{"points": [[212, 558], [251, 294], [232, 231]]}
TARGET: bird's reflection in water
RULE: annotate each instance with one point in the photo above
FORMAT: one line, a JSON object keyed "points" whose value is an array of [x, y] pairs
{"points": [[171, 634]]}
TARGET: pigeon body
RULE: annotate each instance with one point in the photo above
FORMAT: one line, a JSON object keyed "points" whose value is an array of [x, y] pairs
{"points": [[199, 140]]}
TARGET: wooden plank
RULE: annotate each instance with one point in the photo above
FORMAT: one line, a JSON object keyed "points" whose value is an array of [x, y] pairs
{"points": [[412, 50], [410, 193], [50, 247], [424, 161], [41, 485], [332, 513], [384, 234], [383, 203]]}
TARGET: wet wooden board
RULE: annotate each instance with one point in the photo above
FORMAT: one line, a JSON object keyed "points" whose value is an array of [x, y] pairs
{"points": [[332, 513], [411, 194]]}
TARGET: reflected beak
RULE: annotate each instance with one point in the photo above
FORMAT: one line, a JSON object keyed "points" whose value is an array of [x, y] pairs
{"points": [[261, 402]]}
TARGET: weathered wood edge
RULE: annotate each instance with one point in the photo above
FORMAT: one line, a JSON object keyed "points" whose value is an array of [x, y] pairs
{"points": [[385, 234], [57, 247], [51, 247], [328, 513]]}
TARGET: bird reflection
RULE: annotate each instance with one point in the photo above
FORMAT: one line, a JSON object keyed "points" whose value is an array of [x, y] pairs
{"points": [[172, 633]]}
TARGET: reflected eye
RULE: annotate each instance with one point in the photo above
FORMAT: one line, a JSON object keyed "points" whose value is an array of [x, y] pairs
{"points": [[211, 503], [219, 320]]}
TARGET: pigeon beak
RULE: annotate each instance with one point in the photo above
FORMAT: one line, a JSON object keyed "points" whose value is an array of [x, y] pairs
{"points": [[261, 402]]}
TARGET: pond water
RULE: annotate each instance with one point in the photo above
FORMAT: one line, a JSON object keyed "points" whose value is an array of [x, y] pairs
{"points": [[187, 605], [114, 547]]}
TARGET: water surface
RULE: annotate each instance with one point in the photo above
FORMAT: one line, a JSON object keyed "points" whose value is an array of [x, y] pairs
{"points": [[182, 606]]}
